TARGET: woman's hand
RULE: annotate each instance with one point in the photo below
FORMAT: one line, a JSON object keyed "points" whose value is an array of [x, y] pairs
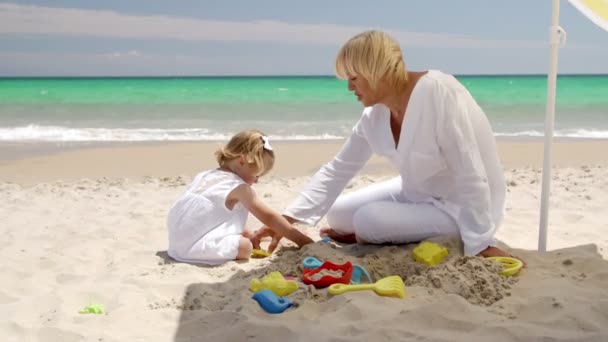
{"points": [[497, 252], [263, 232]]}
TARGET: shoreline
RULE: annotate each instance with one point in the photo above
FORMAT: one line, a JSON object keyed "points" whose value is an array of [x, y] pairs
{"points": [[18, 150], [46, 162]]}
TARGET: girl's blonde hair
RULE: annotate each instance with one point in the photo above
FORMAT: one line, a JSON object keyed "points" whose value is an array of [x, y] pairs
{"points": [[373, 55], [250, 144]]}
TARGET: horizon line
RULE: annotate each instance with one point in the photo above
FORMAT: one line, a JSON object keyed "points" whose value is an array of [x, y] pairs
{"points": [[276, 76]]}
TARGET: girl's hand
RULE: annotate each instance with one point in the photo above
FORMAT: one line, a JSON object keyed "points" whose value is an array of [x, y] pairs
{"points": [[263, 232]]}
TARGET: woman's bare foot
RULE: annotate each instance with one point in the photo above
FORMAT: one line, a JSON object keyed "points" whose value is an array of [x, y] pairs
{"points": [[495, 251], [348, 238]]}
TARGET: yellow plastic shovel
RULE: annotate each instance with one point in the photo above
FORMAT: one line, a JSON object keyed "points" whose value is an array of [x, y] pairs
{"points": [[392, 286]]}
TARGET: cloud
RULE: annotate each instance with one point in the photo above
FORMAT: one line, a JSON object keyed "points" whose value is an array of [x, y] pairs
{"points": [[103, 64], [128, 54], [19, 19]]}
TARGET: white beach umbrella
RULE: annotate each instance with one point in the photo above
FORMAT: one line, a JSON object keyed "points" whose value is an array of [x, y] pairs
{"points": [[596, 11]]}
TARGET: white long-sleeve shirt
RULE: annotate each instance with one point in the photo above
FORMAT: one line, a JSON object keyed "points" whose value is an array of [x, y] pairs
{"points": [[446, 156]]}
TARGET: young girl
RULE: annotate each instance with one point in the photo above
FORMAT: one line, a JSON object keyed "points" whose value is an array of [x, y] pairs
{"points": [[207, 222]]}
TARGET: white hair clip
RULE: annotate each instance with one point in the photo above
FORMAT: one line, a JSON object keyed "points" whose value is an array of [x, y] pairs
{"points": [[266, 143]]}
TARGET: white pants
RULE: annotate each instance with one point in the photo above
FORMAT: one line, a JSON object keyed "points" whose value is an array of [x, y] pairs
{"points": [[378, 214]]}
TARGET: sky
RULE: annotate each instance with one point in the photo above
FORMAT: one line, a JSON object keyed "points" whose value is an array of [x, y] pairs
{"points": [[268, 37]]}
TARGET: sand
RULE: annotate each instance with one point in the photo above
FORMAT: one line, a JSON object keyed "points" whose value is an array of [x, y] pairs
{"points": [[84, 226]]}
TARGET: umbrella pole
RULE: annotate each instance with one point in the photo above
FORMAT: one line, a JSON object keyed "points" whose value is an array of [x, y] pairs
{"points": [[554, 36]]}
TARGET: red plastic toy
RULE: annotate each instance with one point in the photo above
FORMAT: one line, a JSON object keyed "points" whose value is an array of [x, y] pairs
{"points": [[326, 280]]}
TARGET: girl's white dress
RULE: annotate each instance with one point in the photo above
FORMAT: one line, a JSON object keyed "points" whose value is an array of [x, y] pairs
{"points": [[201, 228]]}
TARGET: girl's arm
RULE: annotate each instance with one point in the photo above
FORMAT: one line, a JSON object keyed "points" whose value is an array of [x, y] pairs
{"points": [[275, 221], [326, 185]]}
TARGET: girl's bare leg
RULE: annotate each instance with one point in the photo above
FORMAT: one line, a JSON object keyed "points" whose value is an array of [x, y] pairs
{"points": [[245, 248]]}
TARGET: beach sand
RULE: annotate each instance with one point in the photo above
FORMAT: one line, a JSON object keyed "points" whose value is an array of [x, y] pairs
{"points": [[87, 225]]}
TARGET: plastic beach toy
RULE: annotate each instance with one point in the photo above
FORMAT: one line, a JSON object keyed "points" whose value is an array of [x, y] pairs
{"points": [[96, 309], [260, 253], [326, 239], [429, 253], [511, 266], [358, 272], [308, 275], [392, 286], [311, 263], [270, 302], [275, 282]]}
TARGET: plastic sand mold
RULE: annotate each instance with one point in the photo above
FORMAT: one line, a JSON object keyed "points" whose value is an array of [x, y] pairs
{"points": [[328, 273], [260, 253], [511, 266], [96, 309], [429, 253], [311, 263], [358, 272], [274, 282], [270, 302]]}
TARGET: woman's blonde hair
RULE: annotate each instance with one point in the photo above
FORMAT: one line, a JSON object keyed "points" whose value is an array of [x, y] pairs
{"points": [[250, 144], [373, 55]]}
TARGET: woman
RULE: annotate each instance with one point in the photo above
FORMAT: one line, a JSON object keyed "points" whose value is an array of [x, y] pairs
{"points": [[432, 130]]}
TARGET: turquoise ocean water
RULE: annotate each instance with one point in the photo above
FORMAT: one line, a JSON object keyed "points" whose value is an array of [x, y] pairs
{"points": [[287, 108]]}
